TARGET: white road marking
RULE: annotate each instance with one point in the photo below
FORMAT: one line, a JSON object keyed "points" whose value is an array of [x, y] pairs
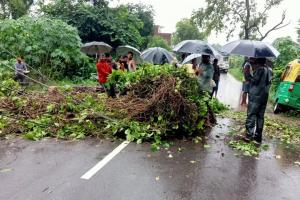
{"points": [[104, 161]]}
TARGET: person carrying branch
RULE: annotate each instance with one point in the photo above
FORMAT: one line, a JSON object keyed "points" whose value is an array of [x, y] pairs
{"points": [[20, 71]]}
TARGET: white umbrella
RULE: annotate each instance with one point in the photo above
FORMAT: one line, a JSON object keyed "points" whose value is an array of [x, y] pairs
{"points": [[191, 57], [123, 50]]}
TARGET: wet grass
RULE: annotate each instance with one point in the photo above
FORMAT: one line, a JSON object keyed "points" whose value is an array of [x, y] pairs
{"points": [[237, 73], [278, 129]]}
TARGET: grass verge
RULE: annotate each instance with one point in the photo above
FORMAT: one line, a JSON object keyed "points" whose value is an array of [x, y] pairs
{"points": [[237, 73]]}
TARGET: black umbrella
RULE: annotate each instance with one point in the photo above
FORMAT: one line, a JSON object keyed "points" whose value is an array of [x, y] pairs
{"points": [[250, 48], [157, 55], [195, 47]]}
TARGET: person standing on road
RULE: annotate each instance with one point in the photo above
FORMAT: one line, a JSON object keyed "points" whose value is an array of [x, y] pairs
{"points": [[216, 77], [205, 73], [260, 84], [20, 70], [247, 69]]}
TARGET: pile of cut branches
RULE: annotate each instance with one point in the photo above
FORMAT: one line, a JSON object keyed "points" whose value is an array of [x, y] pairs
{"points": [[157, 102], [163, 97]]}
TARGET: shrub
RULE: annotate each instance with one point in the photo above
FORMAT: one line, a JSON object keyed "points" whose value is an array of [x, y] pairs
{"points": [[48, 45]]}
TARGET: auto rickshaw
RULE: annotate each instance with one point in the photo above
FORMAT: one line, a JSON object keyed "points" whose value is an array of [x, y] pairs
{"points": [[288, 92]]}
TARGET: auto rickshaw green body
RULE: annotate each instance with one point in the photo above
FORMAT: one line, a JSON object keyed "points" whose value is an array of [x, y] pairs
{"points": [[288, 92]]}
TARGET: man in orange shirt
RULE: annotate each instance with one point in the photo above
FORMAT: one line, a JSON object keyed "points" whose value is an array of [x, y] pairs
{"points": [[104, 70]]}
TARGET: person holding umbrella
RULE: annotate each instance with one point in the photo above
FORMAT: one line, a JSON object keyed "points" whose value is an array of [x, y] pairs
{"points": [[260, 84]]}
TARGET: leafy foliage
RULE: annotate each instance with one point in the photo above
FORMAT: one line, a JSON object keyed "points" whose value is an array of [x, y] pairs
{"points": [[48, 45], [298, 32], [247, 149], [162, 101], [217, 107], [157, 41], [220, 15], [14, 8], [65, 114], [186, 29], [7, 85], [287, 133], [289, 51], [146, 14], [116, 26]]}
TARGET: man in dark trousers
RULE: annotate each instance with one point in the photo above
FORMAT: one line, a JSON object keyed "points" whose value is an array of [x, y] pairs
{"points": [[20, 69], [260, 84], [216, 77]]}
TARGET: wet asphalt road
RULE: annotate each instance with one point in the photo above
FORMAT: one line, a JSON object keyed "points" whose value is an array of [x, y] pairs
{"points": [[51, 169], [230, 91]]}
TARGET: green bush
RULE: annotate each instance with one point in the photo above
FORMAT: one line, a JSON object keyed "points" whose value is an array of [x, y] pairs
{"points": [[48, 45], [157, 41], [8, 86]]}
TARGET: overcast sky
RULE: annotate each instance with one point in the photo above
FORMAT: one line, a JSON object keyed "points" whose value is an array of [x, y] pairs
{"points": [[169, 12]]}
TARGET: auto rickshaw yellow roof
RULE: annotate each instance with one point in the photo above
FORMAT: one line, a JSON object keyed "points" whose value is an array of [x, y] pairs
{"points": [[294, 70]]}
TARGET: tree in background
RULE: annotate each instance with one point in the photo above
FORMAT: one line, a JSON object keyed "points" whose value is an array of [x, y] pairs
{"points": [[99, 3], [157, 41], [14, 8], [49, 45], [116, 26], [146, 15], [186, 29], [231, 15], [289, 51], [298, 32]]}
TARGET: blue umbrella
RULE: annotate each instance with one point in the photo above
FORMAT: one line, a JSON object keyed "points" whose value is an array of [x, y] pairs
{"points": [[157, 55], [195, 47], [250, 48]]}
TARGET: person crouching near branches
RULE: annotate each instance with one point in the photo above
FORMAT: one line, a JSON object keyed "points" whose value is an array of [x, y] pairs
{"points": [[104, 70]]}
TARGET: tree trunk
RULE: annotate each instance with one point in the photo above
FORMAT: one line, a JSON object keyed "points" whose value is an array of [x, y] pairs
{"points": [[246, 28]]}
